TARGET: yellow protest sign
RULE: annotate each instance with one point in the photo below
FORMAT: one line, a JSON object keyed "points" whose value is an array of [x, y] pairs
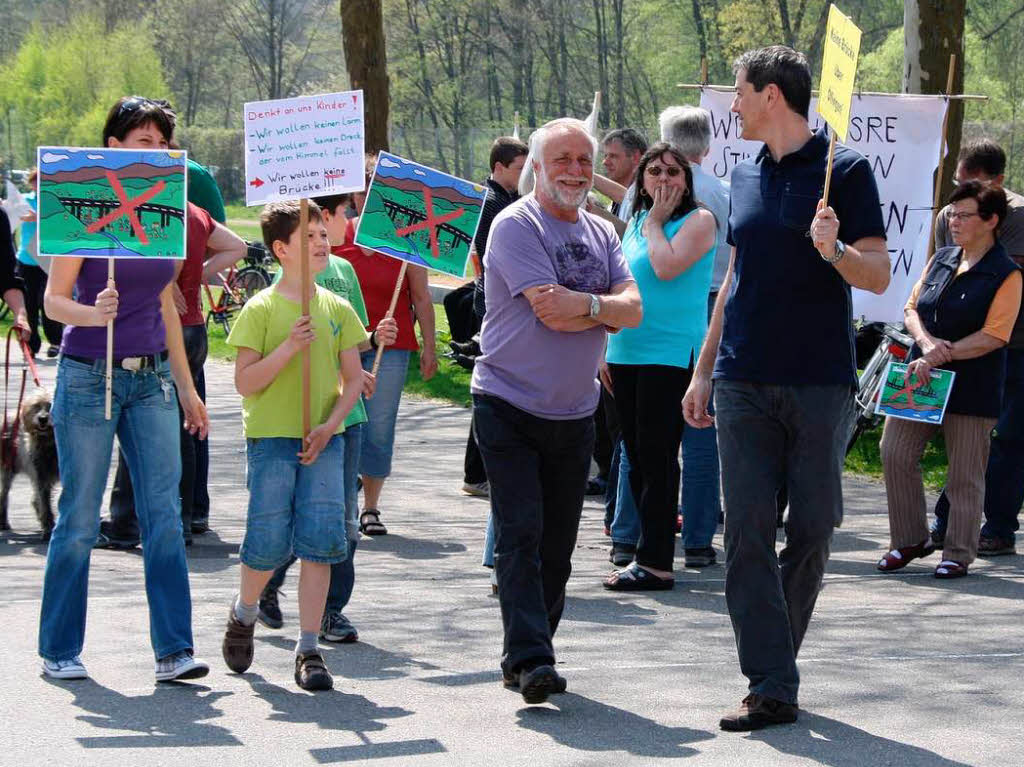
{"points": [[838, 71]]}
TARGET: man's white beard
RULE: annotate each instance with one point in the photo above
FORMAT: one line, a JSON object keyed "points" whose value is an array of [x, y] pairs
{"points": [[562, 196]]}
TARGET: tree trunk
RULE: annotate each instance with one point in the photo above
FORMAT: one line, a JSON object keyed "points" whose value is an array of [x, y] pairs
{"points": [[933, 31], [362, 34]]}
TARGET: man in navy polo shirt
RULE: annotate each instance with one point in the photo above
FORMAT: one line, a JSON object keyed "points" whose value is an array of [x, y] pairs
{"points": [[781, 349]]}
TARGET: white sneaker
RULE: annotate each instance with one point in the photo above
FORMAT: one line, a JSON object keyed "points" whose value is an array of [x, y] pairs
{"points": [[478, 490], [180, 666], [65, 669]]}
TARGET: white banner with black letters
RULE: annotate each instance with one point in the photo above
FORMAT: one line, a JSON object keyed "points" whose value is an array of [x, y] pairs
{"points": [[899, 135]]}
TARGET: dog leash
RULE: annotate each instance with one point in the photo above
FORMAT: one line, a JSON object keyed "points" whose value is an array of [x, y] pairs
{"points": [[9, 435]]}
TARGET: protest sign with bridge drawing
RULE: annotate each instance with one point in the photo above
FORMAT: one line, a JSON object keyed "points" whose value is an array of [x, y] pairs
{"points": [[420, 215], [112, 203]]}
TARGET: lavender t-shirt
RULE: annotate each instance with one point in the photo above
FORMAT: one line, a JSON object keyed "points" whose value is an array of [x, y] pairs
{"points": [[547, 373], [139, 325]]}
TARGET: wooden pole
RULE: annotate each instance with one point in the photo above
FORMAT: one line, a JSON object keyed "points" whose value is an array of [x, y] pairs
{"points": [[110, 348], [828, 168], [307, 288], [704, 70], [937, 198], [391, 312]]}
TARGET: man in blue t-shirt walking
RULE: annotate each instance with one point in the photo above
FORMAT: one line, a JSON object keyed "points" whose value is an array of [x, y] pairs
{"points": [[783, 415]]}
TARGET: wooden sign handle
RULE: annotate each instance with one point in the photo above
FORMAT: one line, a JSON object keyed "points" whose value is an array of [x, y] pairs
{"points": [[391, 312], [937, 196], [110, 349], [306, 288], [828, 168]]}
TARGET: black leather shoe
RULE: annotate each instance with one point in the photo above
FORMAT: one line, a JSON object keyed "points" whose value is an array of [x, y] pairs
{"points": [[537, 683], [510, 681], [756, 712]]}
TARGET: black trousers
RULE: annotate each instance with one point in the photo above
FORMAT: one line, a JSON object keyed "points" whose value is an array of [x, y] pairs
{"points": [[35, 285], [473, 469], [538, 473], [648, 399], [122, 496]]}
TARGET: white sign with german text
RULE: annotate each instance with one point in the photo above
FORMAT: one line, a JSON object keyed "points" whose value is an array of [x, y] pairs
{"points": [[900, 137], [303, 147]]}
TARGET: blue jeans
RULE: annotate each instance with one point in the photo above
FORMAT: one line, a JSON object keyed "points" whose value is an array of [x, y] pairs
{"points": [[343, 574], [1004, 475], [626, 524], [382, 411], [145, 418], [293, 508], [700, 500]]}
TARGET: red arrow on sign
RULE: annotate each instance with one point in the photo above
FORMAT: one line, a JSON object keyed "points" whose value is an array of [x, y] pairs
{"points": [[257, 182]]}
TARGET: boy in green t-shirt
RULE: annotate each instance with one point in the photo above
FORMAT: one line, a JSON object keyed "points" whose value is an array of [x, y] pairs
{"points": [[340, 278], [296, 489]]}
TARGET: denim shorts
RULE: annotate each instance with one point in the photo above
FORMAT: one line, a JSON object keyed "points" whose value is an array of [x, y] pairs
{"points": [[294, 508], [382, 411]]}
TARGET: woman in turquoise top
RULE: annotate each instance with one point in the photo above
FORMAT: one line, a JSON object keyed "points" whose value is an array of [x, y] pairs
{"points": [[670, 246]]}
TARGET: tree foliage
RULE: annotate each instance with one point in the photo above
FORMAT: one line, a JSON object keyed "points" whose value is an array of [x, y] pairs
{"points": [[458, 70]]}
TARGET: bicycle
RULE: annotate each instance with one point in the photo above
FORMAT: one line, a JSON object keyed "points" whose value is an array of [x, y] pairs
{"points": [[239, 286], [893, 347]]}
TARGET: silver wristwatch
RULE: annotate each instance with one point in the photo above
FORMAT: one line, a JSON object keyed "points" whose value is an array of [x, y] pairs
{"points": [[595, 306], [838, 256]]}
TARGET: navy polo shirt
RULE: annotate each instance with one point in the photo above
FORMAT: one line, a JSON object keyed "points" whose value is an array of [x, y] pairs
{"points": [[788, 316]]}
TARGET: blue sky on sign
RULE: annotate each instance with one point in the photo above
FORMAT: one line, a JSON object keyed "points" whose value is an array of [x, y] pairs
{"points": [[393, 166], [54, 159]]}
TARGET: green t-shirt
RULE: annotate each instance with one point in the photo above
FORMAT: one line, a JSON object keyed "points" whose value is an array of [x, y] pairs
{"points": [[340, 278], [204, 192], [264, 323]]}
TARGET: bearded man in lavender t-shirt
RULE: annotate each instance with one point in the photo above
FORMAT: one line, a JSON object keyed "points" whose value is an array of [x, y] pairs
{"points": [[556, 284]]}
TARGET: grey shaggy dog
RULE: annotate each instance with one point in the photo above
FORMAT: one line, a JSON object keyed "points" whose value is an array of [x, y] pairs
{"points": [[36, 457]]}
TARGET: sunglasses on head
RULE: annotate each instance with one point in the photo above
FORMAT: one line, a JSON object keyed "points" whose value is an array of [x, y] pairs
{"points": [[671, 170], [135, 103]]}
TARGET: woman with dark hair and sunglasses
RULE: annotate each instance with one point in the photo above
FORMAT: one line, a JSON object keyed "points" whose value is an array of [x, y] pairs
{"points": [[150, 367], [670, 245], [961, 314]]}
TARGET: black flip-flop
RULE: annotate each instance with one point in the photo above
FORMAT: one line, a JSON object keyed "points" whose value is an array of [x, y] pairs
{"points": [[635, 578], [370, 524]]}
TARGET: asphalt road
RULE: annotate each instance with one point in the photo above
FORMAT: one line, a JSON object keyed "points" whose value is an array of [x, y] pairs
{"points": [[897, 669]]}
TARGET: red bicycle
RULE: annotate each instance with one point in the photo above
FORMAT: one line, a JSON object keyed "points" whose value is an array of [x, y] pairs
{"points": [[238, 286]]}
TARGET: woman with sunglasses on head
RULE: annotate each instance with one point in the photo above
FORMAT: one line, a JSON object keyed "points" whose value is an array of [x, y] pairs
{"points": [[670, 245], [961, 314], [150, 372]]}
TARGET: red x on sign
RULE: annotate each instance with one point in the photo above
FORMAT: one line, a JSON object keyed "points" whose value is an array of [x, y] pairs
{"points": [[127, 208], [432, 221], [908, 389]]}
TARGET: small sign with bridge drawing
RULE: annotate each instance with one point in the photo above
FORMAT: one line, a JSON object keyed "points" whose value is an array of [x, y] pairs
{"points": [[420, 215], [915, 400], [112, 203]]}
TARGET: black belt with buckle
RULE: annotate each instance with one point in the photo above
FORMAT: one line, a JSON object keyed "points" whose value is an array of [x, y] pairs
{"points": [[145, 362]]}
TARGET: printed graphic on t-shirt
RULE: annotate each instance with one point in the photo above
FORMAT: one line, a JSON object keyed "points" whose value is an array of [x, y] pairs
{"points": [[579, 269]]}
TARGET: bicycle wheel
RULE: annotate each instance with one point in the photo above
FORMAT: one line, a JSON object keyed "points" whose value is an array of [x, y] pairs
{"points": [[249, 281]]}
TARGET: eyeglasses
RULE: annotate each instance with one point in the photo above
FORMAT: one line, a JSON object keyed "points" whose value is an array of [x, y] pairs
{"points": [[671, 170], [962, 216]]}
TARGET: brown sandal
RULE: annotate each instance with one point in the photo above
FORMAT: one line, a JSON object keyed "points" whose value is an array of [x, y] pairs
{"points": [[897, 559], [237, 646], [950, 569]]}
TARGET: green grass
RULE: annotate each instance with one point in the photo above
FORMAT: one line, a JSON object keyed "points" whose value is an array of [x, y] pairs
{"points": [[866, 459], [244, 211], [450, 383], [244, 221]]}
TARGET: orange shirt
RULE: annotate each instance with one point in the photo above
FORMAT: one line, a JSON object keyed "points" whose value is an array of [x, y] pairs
{"points": [[1002, 312]]}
